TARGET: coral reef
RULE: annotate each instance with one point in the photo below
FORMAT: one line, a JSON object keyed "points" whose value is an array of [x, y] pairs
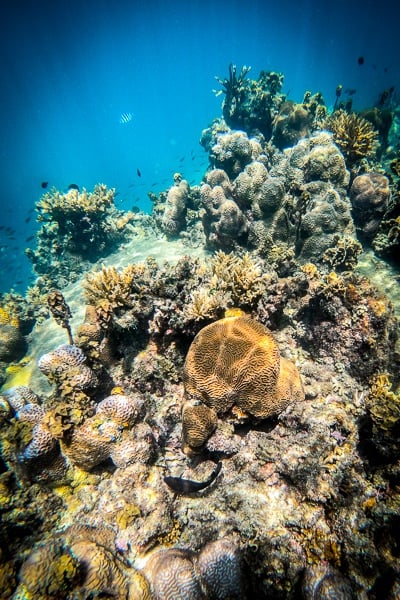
{"points": [[60, 311], [12, 342], [177, 447], [175, 207]]}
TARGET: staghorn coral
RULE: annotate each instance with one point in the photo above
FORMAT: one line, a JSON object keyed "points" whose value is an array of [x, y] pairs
{"points": [[370, 196], [354, 135], [233, 365], [230, 280], [117, 287]]}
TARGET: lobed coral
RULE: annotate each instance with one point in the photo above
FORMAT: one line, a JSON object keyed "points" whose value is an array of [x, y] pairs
{"points": [[12, 341], [65, 366], [216, 573]]}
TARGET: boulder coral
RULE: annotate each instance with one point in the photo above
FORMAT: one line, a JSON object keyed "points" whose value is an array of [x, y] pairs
{"points": [[233, 366], [233, 151], [225, 224], [369, 195]]}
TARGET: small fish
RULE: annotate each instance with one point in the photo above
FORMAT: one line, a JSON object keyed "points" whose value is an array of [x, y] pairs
{"points": [[73, 186], [44, 184], [338, 93], [28, 219], [350, 91], [182, 158], [187, 486], [30, 238], [360, 60], [138, 172], [385, 97], [125, 118]]}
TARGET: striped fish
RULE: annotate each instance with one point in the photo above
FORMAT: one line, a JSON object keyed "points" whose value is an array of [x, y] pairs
{"points": [[125, 118]]}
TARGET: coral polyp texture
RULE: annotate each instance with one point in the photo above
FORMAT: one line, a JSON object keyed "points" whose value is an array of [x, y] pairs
{"points": [[224, 422]]}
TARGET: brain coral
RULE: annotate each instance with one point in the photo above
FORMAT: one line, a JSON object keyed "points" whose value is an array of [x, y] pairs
{"points": [[65, 363], [235, 363]]}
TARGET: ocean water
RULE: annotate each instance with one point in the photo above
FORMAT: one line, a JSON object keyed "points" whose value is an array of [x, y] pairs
{"points": [[69, 70]]}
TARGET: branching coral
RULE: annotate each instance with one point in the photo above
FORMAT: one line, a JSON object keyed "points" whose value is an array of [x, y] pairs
{"points": [[117, 287], [250, 104], [354, 135], [77, 226], [343, 255], [231, 280]]}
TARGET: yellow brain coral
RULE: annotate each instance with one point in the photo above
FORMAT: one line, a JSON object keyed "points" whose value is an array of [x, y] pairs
{"points": [[234, 363]]}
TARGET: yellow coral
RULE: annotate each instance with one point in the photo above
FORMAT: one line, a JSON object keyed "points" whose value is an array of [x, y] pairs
{"points": [[383, 404], [117, 287], [56, 206], [354, 135], [235, 362]]}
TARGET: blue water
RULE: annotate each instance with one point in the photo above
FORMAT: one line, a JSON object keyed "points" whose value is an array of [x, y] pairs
{"points": [[69, 69]]}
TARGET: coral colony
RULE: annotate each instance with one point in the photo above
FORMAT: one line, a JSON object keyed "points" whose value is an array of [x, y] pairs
{"points": [[224, 424]]}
